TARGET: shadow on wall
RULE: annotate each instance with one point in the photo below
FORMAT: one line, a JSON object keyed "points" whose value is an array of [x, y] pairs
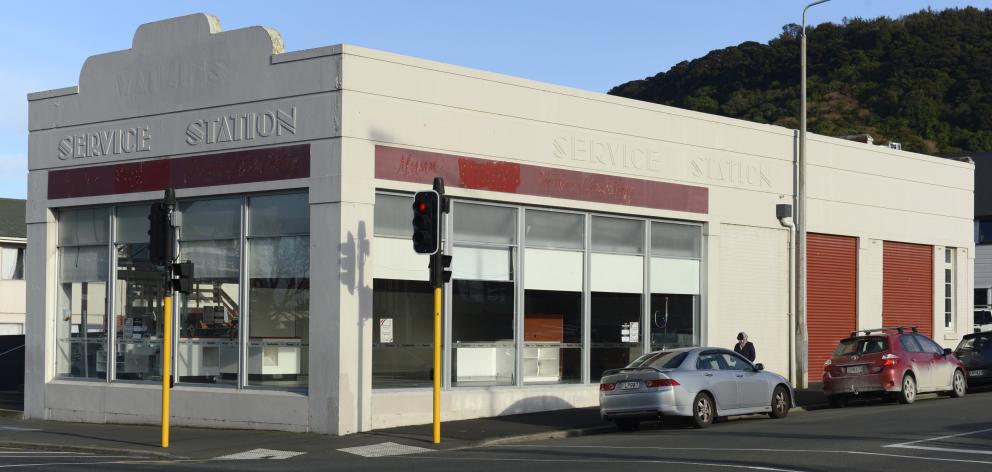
{"points": [[355, 251], [535, 404]]}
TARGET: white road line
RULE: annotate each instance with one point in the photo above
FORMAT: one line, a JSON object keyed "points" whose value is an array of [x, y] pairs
{"points": [[613, 462], [157, 461], [862, 453], [938, 438], [910, 444]]}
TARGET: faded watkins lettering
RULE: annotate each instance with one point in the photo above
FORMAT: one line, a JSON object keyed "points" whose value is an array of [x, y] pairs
{"points": [[730, 170], [242, 127], [600, 153], [105, 143]]}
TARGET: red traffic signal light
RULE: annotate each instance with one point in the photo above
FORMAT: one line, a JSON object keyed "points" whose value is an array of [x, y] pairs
{"points": [[426, 222]]}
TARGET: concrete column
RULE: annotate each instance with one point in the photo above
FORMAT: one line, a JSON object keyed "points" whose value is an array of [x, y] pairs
{"points": [[869, 283], [341, 217], [40, 271], [709, 304]]}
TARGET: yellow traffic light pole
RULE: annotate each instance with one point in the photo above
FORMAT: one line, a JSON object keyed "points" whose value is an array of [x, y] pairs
{"points": [[166, 367], [437, 365]]}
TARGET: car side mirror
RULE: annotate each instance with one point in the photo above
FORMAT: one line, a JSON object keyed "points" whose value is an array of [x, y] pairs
{"points": [[759, 367], [947, 351]]}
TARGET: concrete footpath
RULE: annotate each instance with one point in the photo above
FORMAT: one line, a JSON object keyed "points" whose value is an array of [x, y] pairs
{"points": [[208, 443]]}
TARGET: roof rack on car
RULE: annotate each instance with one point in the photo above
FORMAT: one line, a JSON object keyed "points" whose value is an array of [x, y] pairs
{"points": [[899, 329]]}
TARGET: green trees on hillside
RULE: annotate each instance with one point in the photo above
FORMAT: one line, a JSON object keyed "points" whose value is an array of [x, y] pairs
{"points": [[924, 80]]}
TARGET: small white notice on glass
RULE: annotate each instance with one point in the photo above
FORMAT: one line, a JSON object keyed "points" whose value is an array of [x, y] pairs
{"points": [[634, 331], [625, 333], [385, 330]]}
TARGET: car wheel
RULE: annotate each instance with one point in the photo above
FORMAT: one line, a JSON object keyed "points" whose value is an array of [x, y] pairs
{"points": [[958, 384], [628, 424], [703, 411], [837, 401], [908, 393], [780, 403]]}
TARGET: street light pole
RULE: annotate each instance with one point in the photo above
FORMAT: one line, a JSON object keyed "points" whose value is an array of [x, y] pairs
{"points": [[802, 344]]}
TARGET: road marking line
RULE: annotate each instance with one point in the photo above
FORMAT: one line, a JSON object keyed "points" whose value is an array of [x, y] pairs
{"points": [[938, 438], [941, 449], [157, 461], [614, 462], [864, 453], [385, 449], [255, 454]]}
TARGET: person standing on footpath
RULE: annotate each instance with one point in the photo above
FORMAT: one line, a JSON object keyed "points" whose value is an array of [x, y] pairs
{"points": [[744, 347]]}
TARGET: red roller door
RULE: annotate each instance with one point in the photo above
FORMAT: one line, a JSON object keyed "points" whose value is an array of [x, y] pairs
{"points": [[907, 286], [832, 294]]}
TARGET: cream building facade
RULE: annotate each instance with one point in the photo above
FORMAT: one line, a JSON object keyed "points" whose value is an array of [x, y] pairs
{"points": [[585, 229]]}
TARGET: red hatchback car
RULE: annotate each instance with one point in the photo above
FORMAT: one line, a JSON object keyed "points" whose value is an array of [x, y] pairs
{"points": [[896, 363]]}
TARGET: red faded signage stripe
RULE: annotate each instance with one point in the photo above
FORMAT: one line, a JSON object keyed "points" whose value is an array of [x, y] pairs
{"points": [[409, 165], [238, 167]]}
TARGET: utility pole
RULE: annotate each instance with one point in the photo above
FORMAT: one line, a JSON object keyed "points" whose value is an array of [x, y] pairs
{"points": [[802, 337]]}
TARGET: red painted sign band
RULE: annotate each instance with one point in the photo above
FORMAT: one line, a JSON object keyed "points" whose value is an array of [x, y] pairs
{"points": [[238, 167], [409, 165]]}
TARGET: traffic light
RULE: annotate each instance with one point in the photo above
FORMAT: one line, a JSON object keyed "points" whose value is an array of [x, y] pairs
{"points": [[159, 234], [183, 273], [426, 222], [445, 270]]}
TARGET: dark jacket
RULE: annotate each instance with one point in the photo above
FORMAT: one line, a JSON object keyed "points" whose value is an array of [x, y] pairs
{"points": [[747, 351]]}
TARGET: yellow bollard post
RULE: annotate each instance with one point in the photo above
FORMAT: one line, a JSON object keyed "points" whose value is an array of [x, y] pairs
{"points": [[166, 368], [437, 365]]}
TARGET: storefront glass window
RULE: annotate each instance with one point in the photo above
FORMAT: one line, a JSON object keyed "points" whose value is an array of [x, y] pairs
{"points": [[210, 315], [402, 300], [482, 295], [279, 290], [675, 263], [617, 285], [138, 294], [82, 293], [553, 261]]}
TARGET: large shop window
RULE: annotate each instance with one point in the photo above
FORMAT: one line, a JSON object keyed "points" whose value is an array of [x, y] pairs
{"points": [[482, 295], [279, 290], [276, 289], [674, 275], [553, 267], [81, 327], [210, 316], [402, 300], [138, 292], [539, 277], [617, 284]]}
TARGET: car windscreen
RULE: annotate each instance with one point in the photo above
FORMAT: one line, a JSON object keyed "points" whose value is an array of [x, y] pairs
{"points": [[978, 343], [660, 360], [862, 346]]}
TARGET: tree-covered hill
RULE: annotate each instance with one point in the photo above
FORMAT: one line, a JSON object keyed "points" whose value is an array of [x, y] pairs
{"points": [[924, 80]]}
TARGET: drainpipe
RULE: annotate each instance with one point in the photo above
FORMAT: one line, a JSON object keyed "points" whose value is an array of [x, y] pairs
{"points": [[784, 213]]}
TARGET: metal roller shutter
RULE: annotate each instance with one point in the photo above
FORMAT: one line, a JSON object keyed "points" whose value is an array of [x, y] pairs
{"points": [[832, 294], [907, 285]]}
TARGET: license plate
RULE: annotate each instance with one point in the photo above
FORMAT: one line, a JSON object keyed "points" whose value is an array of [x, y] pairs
{"points": [[630, 385], [976, 373], [857, 369]]}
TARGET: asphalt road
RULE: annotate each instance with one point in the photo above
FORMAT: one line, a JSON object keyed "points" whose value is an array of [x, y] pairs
{"points": [[934, 434]]}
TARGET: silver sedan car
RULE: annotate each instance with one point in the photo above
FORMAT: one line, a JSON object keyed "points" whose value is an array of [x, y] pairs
{"points": [[700, 383]]}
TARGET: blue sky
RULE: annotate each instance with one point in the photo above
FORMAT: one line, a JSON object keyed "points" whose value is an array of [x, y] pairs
{"points": [[585, 44]]}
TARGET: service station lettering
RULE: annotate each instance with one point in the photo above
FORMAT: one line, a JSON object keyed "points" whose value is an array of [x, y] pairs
{"points": [[241, 127], [105, 143]]}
